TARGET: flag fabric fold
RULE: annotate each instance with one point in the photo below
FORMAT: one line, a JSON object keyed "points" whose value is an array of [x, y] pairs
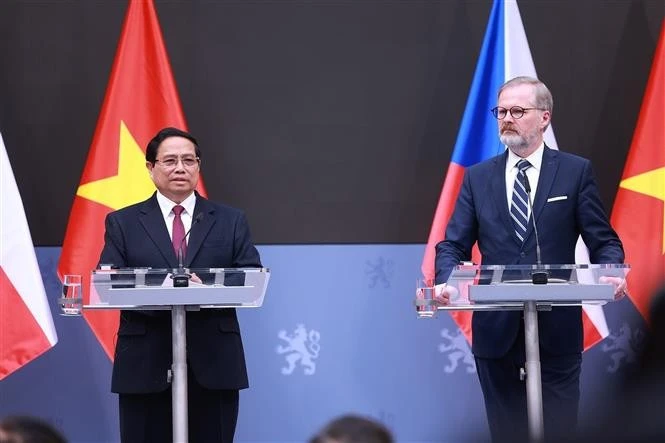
{"points": [[638, 214], [141, 98], [504, 54], [26, 324]]}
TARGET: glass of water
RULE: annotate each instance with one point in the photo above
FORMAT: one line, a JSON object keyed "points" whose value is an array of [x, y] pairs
{"points": [[425, 304], [72, 295]]}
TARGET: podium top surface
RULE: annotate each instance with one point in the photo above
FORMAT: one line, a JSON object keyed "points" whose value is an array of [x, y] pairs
{"points": [[149, 288], [607, 267], [554, 284], [105, 270]]}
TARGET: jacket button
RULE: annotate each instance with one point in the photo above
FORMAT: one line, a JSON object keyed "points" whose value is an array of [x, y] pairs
{"points": [[522, 254]]}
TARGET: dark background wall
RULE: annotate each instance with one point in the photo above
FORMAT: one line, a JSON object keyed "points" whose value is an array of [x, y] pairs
{"points": [[327, 121]]}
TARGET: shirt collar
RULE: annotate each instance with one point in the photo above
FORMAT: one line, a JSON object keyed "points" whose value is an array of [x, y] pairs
{"points": [[536, 158], [166, 205]]}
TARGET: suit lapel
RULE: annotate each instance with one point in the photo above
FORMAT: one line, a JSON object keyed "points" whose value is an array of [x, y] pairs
{"points": [[499, 192], [152, 220], [201, 228], [548, 171]]}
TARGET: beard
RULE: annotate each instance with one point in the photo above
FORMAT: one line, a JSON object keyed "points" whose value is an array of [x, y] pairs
{"points": [[513, 140], [517, 142]]}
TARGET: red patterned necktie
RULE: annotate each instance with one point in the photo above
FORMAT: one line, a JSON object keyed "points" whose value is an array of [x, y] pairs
{"points": [[179, 232]]}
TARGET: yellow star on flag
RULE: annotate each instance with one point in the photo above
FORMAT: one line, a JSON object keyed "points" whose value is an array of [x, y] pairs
{"points": [[651, 183], [131, 185]]}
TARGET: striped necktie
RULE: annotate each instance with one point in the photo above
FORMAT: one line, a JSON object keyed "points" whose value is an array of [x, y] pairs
{"points": [[519, 206]]}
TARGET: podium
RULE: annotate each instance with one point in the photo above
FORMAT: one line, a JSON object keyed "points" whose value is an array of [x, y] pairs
{"points": [[152, 289], [529, 288]]}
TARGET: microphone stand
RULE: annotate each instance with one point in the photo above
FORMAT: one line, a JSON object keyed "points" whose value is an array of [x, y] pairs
{"points": [[178, 372], [180, 275], [539, 276], [532, 368]]}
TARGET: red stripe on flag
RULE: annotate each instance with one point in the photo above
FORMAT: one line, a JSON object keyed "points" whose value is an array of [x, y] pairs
{"points": [[463, 320], [444, 210], [21, 337]]}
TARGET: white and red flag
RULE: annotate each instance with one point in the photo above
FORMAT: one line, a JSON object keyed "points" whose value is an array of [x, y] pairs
{"points": [[26, 325]]}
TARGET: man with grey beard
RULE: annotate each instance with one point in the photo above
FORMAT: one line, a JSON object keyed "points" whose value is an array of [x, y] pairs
{"points": [[498, 204]]}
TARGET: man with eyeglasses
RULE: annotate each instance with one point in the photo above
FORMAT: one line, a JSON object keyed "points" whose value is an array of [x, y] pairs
{"points": [[498, 203], [152, 234]]}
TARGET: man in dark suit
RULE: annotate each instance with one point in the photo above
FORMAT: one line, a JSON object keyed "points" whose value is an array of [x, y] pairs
{"points": [[146, 235], [566, 205]]}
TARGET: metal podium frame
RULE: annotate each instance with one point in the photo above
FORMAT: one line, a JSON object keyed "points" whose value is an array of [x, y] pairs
{"points": [[517, 287], [146, 289]]}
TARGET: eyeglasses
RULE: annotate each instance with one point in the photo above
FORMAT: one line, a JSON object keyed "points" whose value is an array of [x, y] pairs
{"points": [[516, 112], [172, 162]]}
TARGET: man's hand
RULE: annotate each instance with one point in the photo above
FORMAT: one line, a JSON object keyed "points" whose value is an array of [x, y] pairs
{"points": [[619, 283], [444, 293], [441, 294]]}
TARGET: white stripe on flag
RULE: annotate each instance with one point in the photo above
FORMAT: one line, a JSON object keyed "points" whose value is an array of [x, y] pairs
{"points": [[594, 312], [518, 62]]}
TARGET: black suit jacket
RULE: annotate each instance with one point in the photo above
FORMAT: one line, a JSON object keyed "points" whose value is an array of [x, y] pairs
{"points": [[481, 214], [137, 236]]}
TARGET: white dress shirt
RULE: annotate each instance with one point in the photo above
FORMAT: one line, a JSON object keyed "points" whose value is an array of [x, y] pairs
{"points": [[166, 206]]}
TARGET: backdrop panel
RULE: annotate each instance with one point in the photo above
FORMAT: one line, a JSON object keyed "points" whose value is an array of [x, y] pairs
{"points": [[337, 333]]}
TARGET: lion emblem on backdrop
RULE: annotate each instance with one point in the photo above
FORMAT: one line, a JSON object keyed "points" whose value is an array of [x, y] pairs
{"points": [[301, 346], [623, 347], [379, 272], [458, 350]]}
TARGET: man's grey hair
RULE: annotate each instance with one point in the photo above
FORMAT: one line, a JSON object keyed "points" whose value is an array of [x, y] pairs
{"points": [[543, 95]]}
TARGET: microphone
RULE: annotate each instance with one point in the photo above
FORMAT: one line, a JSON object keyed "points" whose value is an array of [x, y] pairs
{"points": [[537, 277], [180, 276]]}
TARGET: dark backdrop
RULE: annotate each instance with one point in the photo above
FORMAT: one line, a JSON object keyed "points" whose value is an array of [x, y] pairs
{"points": [[327, 121]]}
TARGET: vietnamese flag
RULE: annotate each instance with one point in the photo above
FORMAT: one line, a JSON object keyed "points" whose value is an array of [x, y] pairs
{"points": [[141, 98], [638, 214], [504, 55]]}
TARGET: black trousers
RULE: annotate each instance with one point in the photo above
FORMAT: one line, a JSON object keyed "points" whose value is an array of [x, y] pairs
{"points": [[147, 418], [505, 394]]}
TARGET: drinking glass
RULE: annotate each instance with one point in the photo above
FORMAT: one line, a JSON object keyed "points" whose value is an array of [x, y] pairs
{"points": [[71, 302], [425, 305]]}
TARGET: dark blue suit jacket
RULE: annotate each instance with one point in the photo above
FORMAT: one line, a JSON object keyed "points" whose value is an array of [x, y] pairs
{"points": [[482, 215], [137, 236]]}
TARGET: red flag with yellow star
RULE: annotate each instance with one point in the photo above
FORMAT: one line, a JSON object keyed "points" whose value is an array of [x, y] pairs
{"points": [[141, 98], [639, 209]]}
